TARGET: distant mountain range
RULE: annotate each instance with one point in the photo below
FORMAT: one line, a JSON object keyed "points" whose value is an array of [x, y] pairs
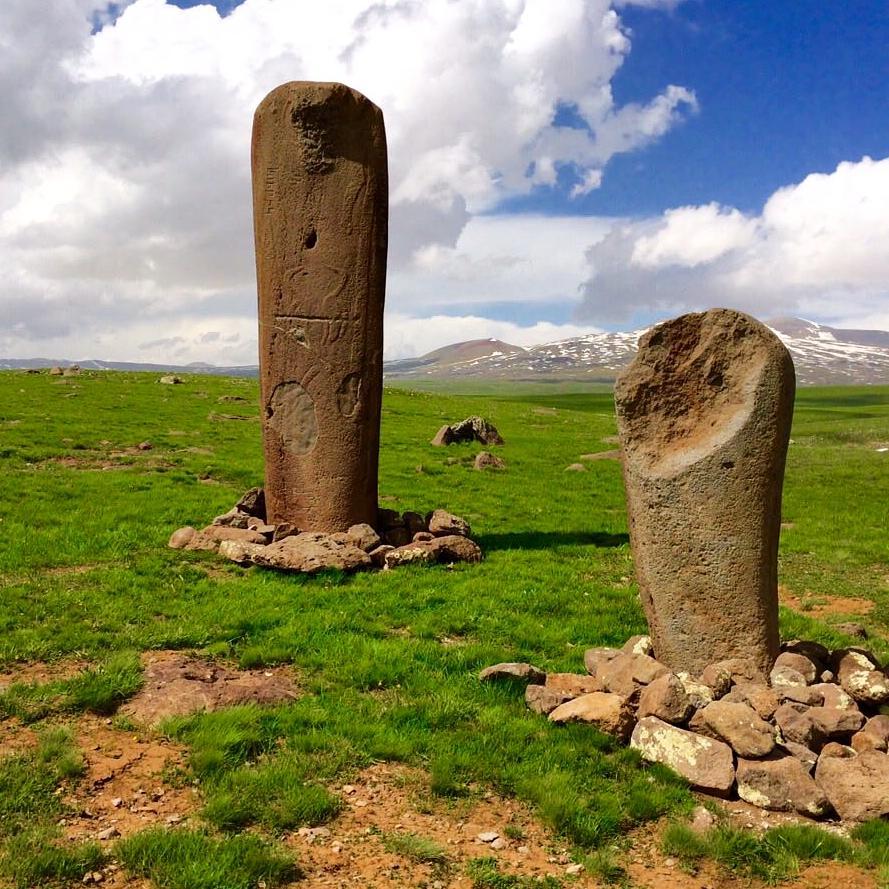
{"points": [[822, 355]]}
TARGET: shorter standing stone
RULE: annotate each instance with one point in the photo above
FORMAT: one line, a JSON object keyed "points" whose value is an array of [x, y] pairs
{"points": [[610, 713], [703, 762], [780, 783], [666, 698], [527, 674]]}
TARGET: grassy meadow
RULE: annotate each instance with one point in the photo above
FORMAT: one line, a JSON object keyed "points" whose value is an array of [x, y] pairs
{"points": [[387, 662]]}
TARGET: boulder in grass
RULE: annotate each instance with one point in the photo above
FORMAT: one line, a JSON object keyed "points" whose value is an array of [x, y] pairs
{"points": [[706, 764], [782, 784], [468, 430], [526, 674], [610, 713], [857, 784], [485, 461]]}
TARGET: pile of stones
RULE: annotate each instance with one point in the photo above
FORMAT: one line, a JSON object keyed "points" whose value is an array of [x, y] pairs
{"points": [[242, 535], [809, 738], [471, 429]]}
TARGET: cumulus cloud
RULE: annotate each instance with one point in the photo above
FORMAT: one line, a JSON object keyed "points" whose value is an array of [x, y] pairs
{"points": [[817, 248], [125, 194]]}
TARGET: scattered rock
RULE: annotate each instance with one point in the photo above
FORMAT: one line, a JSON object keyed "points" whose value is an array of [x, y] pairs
{"points": [[181, 538], [807, 757], [488, 836], [850, 628], [835, 724], [703, 762], [378, 555], [625, 673], [702, 820], [698, 694], [543, 700], [740, 727], [572, 684], [513, 672], [593, 658], [212, 536], [232, 519], [638, 645], [860, 676], [445, 550], [442, 523], [253, 503], [167, 379], [364, 537], [608, 712], [857, 784], [665, 697], [862, 741], [780, 783], [485, 460]]}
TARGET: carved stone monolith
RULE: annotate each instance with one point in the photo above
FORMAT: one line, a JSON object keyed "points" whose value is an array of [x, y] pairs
{"points": [[320, 210], [703, 415]]}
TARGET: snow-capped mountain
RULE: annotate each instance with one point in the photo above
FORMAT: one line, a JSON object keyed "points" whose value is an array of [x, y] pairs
{"points": [[822, 356]]}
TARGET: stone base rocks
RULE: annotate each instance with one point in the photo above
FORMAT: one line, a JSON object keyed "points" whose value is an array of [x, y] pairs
{"points": [[242, 535], [810, 740]]}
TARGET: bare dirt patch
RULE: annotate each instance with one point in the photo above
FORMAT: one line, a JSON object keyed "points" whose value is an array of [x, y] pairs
{"points": [[127, 786], [38, 672], [601, 455], [821, 605], [177, 684], [387, 800]]}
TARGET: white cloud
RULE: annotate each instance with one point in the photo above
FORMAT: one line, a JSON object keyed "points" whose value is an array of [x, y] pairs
{"points": [[817, 248], [409, 337], [124, 184]]}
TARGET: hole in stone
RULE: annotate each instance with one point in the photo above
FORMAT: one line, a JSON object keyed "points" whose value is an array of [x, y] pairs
{"points": [[728, 464], [311, 239]]}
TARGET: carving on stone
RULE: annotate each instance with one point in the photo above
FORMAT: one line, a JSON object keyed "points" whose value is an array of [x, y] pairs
{"points": [[320, 194]]}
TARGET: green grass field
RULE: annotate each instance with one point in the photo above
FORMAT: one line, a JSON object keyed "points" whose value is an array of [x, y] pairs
{"points": [[387, 661]]}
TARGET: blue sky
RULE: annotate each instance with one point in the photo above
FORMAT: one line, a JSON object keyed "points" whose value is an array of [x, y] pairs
{"points": [[556, 166]]}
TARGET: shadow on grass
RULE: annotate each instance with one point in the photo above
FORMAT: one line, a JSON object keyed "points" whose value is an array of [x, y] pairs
{"points": [[549, 540]]}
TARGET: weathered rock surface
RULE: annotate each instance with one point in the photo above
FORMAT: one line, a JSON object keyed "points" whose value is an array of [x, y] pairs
{"points": [[320, 211], [485, 460], [593, 658], [638, 645], [572, 684], [210, 537], [704, 416], [608, 712], [665, 697], [442, 523], [364, 537], [797, 725], [740, 727], [703, 762], [513, 672], [471, 429], [311, 552], [180, 538], [625, 673], [857, 785], [446, 550], [780, 783], [860, 677], [543, 700], [800, 663]]}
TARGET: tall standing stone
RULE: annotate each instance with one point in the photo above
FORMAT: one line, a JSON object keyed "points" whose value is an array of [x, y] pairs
{"points": [[320, 211], [703, 415]]}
